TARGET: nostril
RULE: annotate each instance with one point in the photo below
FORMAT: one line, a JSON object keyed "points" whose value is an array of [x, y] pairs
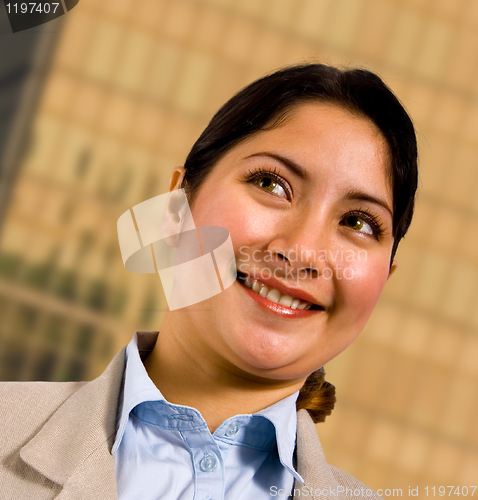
{"points": [[314, 273]]}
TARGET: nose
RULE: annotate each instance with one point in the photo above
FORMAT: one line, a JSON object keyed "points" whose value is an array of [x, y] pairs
{"points": [[302, 248], [289, 261]]}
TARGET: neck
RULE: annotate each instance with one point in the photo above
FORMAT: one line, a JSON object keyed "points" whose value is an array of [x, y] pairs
{"points": [[187, 373]]}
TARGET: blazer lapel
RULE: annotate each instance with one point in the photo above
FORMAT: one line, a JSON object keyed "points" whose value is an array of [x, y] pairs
{"points": [[73, 447], [311, 463]]}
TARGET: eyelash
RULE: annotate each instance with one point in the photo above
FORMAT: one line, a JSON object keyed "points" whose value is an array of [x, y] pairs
{"points": [[272, 174], [369, 218], [363, 213]]}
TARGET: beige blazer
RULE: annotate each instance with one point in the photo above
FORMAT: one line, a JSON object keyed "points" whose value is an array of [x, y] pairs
{"points": [[56, 439]]}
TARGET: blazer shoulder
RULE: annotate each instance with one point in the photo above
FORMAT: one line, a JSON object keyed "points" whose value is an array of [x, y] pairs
{"points": [[36, 393], [352, 487]]}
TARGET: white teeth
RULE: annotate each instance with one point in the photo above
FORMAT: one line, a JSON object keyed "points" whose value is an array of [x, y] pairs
{"points": [[304, 306], [295, 303], [274, 296], [286, 300]]}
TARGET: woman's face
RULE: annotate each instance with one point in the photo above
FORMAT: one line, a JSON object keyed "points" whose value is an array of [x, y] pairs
{"points": [[308, 206]]}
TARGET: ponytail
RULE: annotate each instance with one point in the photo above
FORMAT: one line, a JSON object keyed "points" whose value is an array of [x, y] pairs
{"points": [[317, 396]]}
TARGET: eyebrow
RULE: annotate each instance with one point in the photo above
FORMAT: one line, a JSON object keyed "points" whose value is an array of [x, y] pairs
{"points": [[361, 196], [288, 163], [303, 174]]}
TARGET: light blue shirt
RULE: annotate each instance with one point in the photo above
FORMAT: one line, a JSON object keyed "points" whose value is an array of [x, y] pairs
{"points": [[165, 451]]}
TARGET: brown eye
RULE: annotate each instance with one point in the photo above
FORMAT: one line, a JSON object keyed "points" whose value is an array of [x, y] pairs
{"points": [[270, 185], [358, 224]]}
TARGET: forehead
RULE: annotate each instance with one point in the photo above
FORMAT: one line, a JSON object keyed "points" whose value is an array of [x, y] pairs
{"points": [[329, 121], [330, 142]]}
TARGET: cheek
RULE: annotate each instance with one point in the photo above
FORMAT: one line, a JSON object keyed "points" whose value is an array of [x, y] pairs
{"points": [[247, 222], [362, 283]]}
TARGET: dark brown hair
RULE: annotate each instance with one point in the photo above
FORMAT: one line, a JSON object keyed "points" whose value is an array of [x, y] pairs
{"points": [[317, 396], [261, 105]]}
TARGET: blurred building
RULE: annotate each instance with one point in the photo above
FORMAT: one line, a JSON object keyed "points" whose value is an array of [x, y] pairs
{"points": [[23, 64], [130, 87]]}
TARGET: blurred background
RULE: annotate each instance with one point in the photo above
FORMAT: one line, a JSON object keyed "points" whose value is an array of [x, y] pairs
{"points": [[95, 111]]}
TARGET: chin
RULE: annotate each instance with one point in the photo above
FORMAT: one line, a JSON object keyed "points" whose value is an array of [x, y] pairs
{"points": [[258, 343], [267, 354]]}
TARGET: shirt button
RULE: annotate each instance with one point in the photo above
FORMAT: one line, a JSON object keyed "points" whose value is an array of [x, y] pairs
{"points": [[232, 429], [208, 463]]}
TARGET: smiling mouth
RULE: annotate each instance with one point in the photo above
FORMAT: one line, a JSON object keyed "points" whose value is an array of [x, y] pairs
{"points": [[275, 296]]}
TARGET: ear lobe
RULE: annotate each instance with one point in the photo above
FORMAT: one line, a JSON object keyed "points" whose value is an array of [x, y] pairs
{"points": [[393, 267], [176, 178], [174, 213], [173, 217]]}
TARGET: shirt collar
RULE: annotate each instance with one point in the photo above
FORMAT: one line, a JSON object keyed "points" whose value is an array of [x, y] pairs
{"points": [[139, 388], [283, 415]]}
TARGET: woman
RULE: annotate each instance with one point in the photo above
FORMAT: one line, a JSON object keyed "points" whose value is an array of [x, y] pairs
{"points": [[313, 172]]}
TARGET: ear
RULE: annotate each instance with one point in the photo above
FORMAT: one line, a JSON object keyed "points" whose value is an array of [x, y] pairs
{"points": [[176, 178], [392, 268], [177, 216], [177, 200]]}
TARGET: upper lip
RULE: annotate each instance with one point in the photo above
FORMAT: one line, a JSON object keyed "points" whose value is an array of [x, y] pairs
{"points": [[296, 293]]}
